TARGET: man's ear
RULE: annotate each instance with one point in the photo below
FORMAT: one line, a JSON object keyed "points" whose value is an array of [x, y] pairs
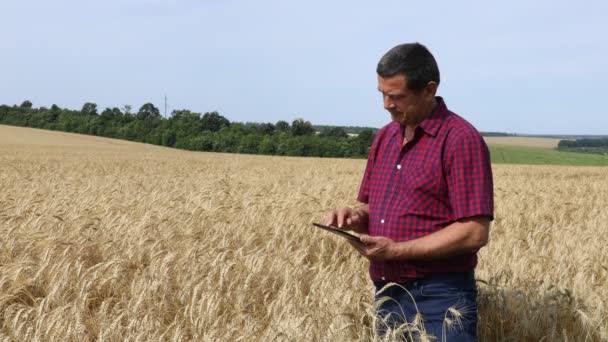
{"points": [[431, 88]]}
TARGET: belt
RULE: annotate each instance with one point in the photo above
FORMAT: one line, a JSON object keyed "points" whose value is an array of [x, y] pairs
{"points": [[451, 276]]}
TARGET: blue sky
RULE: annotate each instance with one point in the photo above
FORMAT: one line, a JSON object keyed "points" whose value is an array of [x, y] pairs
{"points": [[518, 66]]}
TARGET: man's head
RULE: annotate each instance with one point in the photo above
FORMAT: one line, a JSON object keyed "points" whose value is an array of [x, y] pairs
{"points": [[408, 78]]}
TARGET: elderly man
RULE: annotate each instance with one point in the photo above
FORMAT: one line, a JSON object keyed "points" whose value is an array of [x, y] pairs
{"points": [[427, 199]]}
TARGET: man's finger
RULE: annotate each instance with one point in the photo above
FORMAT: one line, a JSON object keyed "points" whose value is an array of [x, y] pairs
{"points": [[352, 220], [330, 218], [368, 240], [341, 216]]}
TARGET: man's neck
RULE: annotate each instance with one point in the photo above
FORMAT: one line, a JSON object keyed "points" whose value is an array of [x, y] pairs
{"points": [[410, 128], [409, 132], [428, 110]]}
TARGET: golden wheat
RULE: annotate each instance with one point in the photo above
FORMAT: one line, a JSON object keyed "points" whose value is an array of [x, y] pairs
{"points": [[106, 240], [523, 141]]}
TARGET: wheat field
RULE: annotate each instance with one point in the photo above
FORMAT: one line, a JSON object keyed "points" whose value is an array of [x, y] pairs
{"points": [[523, 141], [106, 240]]}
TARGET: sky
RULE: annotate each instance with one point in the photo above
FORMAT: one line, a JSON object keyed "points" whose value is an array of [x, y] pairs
{"points": [[527, 67]]}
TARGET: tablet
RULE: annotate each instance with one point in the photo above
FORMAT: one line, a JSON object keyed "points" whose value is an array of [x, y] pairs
{"points": [[338, 232]]}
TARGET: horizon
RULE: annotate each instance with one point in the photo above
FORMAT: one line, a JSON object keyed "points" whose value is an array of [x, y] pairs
{"points": [[514, 134]]}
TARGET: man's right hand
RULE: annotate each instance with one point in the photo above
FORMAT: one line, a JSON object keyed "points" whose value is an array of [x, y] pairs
{"points": [[349, 218]]}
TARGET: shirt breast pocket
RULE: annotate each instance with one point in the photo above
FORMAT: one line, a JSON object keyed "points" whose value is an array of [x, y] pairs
{"points": [[417, 189]]}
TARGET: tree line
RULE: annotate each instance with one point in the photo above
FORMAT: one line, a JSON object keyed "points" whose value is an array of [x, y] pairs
{"points": [[585, 145], [586, 142], [189, 130]]}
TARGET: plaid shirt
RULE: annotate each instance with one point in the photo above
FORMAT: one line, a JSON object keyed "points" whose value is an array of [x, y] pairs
{"points": [[442, 175]]}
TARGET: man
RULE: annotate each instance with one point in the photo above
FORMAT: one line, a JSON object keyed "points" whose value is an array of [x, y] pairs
{"points": [[427, 199]]}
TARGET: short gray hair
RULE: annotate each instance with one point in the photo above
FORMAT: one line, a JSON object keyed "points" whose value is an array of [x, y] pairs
{"points": [[414, 61]]}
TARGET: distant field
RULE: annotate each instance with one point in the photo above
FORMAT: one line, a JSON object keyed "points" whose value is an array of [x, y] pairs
{"points": [[105, 240], [516, 150], [537, 151], [11, 135], [504, 154], [523, 141]]}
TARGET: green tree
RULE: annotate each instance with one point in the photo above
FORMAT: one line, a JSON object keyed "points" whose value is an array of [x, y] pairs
{"points": [[199, 143], [186, 123], [189, 130], [249, 144], [213, 121], [127, 109], [335, 132], [366, 136], [226, 141], [299, 127], [364, 142], [267, 146], [169, 138], [266, 128], [4, 113], [53, 113], [295, 147], [89, 108], [282, 126], [148, 111], [107, 115]]}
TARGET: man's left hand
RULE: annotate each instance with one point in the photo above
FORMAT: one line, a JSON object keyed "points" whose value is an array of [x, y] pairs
{"points": [[376, 247]]}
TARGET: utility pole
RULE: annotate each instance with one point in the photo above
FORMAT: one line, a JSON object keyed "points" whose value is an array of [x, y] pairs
{"points": [[165, 106]]}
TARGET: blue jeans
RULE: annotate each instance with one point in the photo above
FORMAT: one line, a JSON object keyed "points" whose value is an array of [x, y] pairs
{"points": [[447, 303]]}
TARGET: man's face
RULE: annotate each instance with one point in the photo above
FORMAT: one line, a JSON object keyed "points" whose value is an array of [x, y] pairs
{"points": [[406, 106]]}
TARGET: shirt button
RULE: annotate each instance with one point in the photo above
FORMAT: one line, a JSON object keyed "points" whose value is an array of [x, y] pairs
{"points": [[399, 167], [382, 221], [383, 278]]}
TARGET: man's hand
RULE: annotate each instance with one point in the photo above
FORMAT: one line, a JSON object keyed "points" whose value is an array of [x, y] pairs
{"points": [[376, 247], [349, 218], [463, 236]]}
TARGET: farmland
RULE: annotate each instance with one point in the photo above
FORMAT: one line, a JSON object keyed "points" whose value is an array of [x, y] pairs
{"points": [[513, 154], [107, 240], [523, 141], [538, 151]]}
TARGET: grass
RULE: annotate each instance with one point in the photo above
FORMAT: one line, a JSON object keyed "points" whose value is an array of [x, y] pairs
{"points": [[505, 154]]}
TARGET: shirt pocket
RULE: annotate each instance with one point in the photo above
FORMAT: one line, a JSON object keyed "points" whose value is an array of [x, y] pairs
{"points": [[417, 189]]}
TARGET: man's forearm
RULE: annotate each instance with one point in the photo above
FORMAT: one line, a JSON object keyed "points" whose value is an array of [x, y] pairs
{"points": [[455, 239]]}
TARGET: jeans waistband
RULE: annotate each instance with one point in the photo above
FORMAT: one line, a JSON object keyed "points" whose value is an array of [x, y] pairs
{"points": [[455, 278]]}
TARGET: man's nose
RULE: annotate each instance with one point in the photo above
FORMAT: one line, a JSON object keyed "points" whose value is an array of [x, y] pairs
{"points": [[388, 104]]}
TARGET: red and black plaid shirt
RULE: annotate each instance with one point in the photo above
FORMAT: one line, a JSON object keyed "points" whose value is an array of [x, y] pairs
{"points": [[442, 175]]}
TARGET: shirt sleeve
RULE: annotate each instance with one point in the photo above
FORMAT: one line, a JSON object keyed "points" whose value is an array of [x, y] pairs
{"points": [[469, 177], [363, 196]]}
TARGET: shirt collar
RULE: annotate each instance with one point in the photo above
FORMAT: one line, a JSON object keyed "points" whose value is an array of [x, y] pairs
{"points": [[431, 124]]}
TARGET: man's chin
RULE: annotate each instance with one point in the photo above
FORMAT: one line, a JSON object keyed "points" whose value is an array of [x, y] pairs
{"points": [[400, 119]]}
